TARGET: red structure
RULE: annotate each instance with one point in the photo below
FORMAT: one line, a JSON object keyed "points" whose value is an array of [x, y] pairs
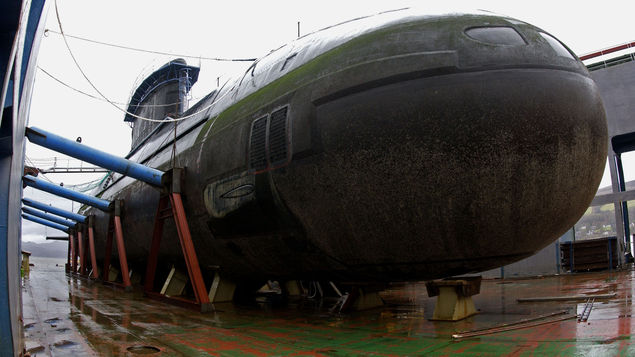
{"points": [[114, 226], [176, 210], [607, 51]]}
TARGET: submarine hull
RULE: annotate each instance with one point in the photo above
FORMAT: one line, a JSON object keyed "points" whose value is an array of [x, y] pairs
{"points": [[409, 150], [474, 171]]}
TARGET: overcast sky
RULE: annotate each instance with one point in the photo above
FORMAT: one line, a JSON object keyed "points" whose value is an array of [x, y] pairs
{"points": [[228, 29]]}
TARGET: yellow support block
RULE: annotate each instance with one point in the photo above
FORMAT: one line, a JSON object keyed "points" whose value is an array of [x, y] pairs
{"points": [[454, 298], [451, 306], [222, 290], [175, 283]]}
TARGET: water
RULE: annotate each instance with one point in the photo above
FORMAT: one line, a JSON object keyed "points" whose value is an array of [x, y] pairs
{"points": [[46, 265], [49, 328]]}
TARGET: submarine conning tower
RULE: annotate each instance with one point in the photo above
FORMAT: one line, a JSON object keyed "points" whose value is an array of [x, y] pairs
{"points": [[161, 94]]}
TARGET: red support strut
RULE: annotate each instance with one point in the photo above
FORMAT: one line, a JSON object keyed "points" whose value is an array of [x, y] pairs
{"points": [[75, 255], [173, 196], [71, 253], [121, 250], [115, 225], [91, 244], [191, 260]]}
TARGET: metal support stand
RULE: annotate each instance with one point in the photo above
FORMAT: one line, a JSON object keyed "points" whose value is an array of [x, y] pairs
{"points": [[91, 245], [71, 252], [454, 297], [222, 290], [172, 195], [82, 251], [114, 226], [68, 255], [74, 253]]}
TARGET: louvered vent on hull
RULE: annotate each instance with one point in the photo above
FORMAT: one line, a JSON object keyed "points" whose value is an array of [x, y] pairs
{"points": [[257, 145], [278, 143]]}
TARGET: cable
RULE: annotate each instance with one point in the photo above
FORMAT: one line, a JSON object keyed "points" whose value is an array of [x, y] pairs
{"points": [[168, 119], [102, 99], [152, 51], [81, 187], [33, 165], [72, 88]]}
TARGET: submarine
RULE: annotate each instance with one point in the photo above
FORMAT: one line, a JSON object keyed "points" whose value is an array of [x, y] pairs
{"points": [[394, 147]]}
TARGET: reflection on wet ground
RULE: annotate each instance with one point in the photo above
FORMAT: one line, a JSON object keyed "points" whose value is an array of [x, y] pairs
{"points": [[71, 316]]}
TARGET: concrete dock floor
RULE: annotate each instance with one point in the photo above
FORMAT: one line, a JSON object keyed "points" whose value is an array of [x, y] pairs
{"points": [[70, 316]]}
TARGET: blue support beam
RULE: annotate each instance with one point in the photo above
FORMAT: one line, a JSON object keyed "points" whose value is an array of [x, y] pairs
{"points": [[45, 222], [49, 217], [54, 210], [94, 156], [61, 191]]}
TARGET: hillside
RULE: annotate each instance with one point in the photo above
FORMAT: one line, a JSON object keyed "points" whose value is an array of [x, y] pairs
{"points": [[52, 249], [599, 221], [630, 185]]}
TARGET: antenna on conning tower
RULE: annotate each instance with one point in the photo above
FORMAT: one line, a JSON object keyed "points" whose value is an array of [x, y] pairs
{"points": [[185, 84]]}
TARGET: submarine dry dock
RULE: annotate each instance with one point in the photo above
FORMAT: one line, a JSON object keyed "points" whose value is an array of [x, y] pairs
{"points": [[96, 319]]}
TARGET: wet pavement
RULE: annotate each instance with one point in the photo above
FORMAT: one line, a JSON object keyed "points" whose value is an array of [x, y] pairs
{"points": [[74, 316]]}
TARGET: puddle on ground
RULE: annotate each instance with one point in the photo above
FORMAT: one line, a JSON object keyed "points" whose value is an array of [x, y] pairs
{"points": [[35, 349], [143, 350], [53, 322], [64, 343]]}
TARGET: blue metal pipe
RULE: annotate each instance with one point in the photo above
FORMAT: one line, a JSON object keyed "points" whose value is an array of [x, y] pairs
{"points": [[54, 210], [48, 217], [35, 182], [45, 222], [99, 158]]}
